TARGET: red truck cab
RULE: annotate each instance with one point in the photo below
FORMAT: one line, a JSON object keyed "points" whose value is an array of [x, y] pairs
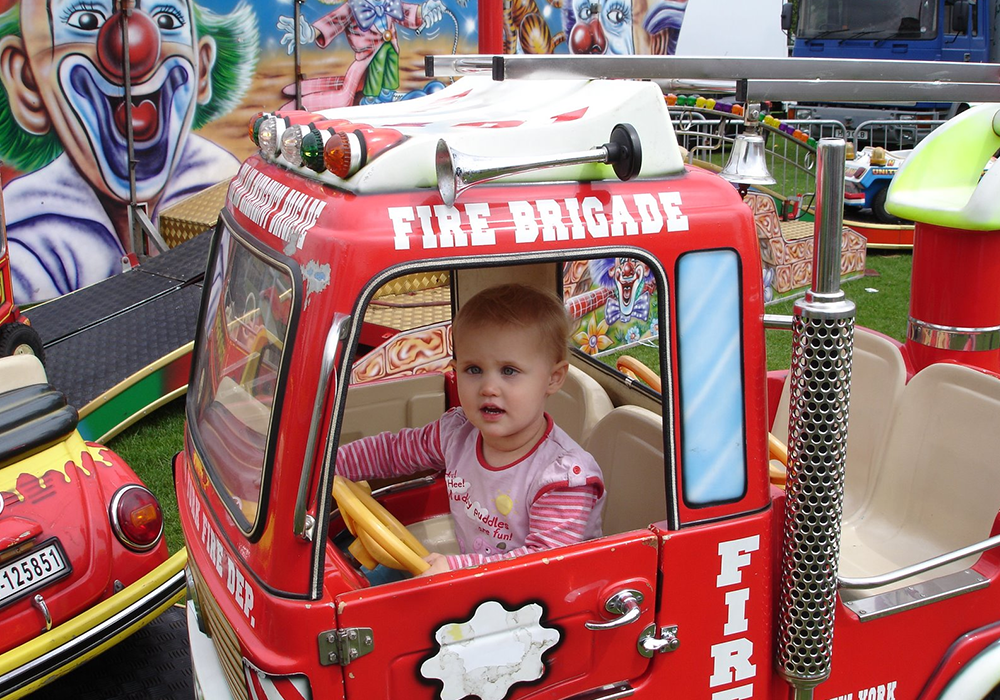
{"points": [[293, 359]]}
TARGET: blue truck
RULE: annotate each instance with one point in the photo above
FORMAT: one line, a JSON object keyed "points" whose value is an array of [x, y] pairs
{"points": [[912, 30]]}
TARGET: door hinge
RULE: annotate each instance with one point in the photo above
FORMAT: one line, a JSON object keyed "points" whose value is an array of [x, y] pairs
{"points": [[650, 644], [341, 647]]}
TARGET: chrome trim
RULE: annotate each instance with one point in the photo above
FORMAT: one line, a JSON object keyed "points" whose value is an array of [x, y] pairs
{"points": [[300, 526], [955, 338], [116, 525], [820, 385], [612, 691], [716, 68], [778, 322], [47, 663], [39, 602], [626, 604], [917, 595], [918, 568], [829, 224]]}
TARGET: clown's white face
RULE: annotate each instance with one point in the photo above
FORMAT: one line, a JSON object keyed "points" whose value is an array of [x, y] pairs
{"points": [[602, 26], [74, 52]]}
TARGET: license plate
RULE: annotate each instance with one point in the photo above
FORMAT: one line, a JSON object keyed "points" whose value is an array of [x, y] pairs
{"points": [[39, 567]]}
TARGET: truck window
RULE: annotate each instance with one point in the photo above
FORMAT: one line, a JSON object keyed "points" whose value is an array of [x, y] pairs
{"points": [[864, 19], [244, 328], [710, 357]]}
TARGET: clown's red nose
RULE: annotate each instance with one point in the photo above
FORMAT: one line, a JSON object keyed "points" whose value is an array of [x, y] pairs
{"points": [[143, 46], [587, 37]]}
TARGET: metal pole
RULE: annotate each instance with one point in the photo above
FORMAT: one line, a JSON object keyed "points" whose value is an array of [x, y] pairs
{"points": [[125, 8], [297, 11], [822, 343]]}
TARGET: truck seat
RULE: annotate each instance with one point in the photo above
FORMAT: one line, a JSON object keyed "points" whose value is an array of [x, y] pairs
{"points": [[628, 445], [579, 405], [936, 489], [878, 375]]}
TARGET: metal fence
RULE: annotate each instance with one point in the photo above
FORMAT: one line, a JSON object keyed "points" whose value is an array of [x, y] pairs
{"points": [[708, 136]]}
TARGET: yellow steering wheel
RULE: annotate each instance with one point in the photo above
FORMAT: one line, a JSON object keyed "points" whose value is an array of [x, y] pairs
{"points": [[776, 449], [381, 538]]}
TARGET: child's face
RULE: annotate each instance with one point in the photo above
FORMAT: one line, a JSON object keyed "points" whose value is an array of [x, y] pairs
{"points": [[504, 377]]}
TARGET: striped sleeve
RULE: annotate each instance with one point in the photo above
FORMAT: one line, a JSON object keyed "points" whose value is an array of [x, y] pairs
{"points": [[557, 518], [392, 454]]}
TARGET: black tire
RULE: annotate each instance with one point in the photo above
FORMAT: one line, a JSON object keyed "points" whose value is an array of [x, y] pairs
{"points": [[20, 339], [879, 210]]}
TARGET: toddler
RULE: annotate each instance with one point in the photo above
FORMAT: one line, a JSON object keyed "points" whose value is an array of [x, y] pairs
{"points": [[517, 483]]}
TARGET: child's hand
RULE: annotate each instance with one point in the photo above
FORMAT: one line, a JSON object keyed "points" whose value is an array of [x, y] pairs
{"points": [[438, 562]]}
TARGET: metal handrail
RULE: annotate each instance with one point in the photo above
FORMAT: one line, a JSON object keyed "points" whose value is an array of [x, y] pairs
{"points": [[300, 522], [918, 568], [844, 79]]}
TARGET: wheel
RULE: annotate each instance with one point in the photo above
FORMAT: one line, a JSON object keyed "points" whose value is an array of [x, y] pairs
{"points": [[879, 210], [383, 539], [20, 339]]}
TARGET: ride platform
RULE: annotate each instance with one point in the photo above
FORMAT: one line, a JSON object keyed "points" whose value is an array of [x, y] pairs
{"points": [[121, 348]]}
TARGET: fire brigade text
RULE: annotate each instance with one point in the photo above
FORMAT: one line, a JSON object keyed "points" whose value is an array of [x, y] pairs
{"points": [[239, 588], [731, 658], [468, 225]]}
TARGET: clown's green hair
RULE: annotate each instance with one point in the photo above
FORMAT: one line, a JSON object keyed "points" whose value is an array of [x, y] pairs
{"points": [[237, 46], [18, 148], [237, 43]]}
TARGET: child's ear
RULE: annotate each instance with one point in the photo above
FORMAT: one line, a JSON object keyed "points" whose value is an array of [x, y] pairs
{"points": [[557, 377]]}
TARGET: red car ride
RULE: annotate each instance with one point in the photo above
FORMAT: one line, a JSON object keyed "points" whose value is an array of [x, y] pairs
{"points": [[83, 562]]}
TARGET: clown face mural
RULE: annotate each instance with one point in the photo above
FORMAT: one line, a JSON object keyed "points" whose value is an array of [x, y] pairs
{"points": [[62, 67], [599, 26]]}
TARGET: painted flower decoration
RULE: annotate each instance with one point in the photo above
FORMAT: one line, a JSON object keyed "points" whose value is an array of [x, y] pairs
{"points": [[595, 339], [632, 335]]}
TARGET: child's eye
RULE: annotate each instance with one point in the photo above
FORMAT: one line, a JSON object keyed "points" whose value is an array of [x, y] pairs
{"points": [[472, 370], [509, 371]]}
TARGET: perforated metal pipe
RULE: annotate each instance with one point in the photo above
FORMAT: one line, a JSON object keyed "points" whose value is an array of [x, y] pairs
{"points": [[823, 336]]}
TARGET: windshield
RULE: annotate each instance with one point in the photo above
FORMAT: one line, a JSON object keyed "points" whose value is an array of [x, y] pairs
{"points": [[867, 19], [237, 367]]}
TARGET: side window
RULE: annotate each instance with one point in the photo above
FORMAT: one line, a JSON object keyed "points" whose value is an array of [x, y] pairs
{"points": [[613, 305], [713, 439]]}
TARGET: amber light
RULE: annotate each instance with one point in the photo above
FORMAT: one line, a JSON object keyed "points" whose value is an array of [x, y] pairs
{"points": [[136, 517], [254, 125], [345, 153]]}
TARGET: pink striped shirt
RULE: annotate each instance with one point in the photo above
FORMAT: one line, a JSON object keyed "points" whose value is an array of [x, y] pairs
{"points": [[552, 496]]}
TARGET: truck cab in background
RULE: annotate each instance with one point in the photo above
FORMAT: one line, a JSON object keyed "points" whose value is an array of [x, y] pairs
{"points": [[910, 30]]}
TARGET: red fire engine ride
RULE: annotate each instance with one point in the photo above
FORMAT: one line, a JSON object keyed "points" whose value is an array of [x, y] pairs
{"points": [[709, 582]]}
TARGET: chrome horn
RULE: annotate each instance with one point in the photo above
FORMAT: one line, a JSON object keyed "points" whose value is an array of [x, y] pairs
{"points": [[457, 171]]}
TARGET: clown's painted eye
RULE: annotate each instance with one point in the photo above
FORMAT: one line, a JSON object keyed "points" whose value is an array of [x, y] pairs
{"points": [[617, 13], [87, 20], [167, 18]]}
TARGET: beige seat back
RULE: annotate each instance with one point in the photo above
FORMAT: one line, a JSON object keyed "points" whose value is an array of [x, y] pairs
{"points": [[628, 445], [376, 407], [878, 376], [937, 487], [578, 405], [17, 371]]}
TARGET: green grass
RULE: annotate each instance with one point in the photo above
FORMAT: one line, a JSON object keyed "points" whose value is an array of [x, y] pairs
{"points": [[149, 446], [884, 310]]}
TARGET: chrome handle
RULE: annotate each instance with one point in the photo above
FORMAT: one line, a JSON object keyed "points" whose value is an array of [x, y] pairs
{"points": [[625, 604]]}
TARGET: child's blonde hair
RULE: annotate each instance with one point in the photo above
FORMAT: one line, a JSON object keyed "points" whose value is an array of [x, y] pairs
{"points": [[521, 306]]}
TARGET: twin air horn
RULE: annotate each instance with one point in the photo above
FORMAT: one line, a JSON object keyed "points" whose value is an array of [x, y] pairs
{"points": [[457, 171]]}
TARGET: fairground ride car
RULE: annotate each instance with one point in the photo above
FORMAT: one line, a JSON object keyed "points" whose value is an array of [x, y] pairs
{"points": [[869, 175], [83, 563], [17, 337], [704, 568]]}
